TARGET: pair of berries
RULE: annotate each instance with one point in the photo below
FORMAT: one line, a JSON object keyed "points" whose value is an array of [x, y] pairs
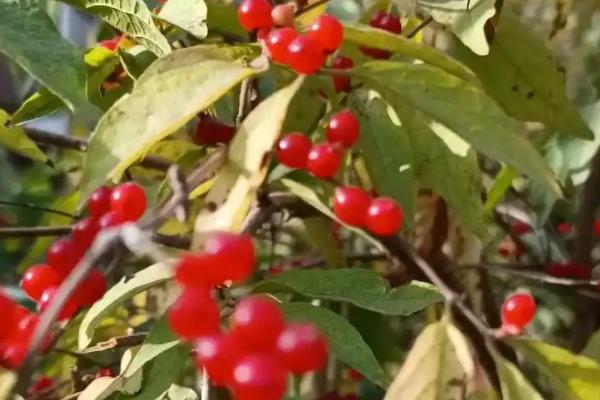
{"points": [[295, 150], [387, 22], [354, 206], [212, 132], [518, 310], [254, 359]]}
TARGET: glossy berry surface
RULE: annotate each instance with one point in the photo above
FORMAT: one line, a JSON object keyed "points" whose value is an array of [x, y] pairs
{"points": [[350, 205], [518, 310], [218, 353], [111, 219], [324, 160], [384, 216], [283, 14], [342, 83], [278, 41], [63, 255], [84, 232], [8, 307], [199, 270], [68, 310], [292, 150], [328, 31], [302, 348], [259, 377], [305, 55], [255, 14], [257, 322], [99, 201], [390, 23], [37, 279], [13, 354], [212, 132], [194, 314], [235, 253], [343, 128], [129, 200], [387, 22], [91, 289]]}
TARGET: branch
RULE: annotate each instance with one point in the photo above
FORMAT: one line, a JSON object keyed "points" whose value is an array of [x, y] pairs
{"points": [[584, 226], [420, 27], [36, 207], [27, 231]]}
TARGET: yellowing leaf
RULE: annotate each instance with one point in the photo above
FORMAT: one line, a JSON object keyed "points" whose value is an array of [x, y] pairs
{"points": [[15, 139], [189, 15]]}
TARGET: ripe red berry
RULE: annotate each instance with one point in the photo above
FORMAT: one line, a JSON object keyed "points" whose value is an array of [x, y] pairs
{"points": [[13, 354], [129, 200], [390, 23], [324, 160], [302, 348], [293, 149], [84, 232], [342, 83], [9, 310], [255, 14], [104, 372], [99, 202], [218, 354], [386, 22], [564, 228], [520, 228], [194, 314], [350, 205], [43, 384], [570, 270], [278, 41], [111, 219], [597, 227], [305, 55], [212, 132], [69, 308], [384, 217], [37, 279], [376, 18], [63, 255], [235, 253], [518, 310], [343, 128], [200, 270], [328, 31], [283, 14], [91, 289], [257, 321], [259, 376]]}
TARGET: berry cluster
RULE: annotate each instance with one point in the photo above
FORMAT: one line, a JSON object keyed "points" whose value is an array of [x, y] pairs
{"points": [[517, 312], [252, 359], [387, 22], [304, 53]]}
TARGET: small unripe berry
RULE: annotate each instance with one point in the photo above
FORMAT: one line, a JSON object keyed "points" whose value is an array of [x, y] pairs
{"points": [[283, 14], [384, 216], [129, 200], [350, 205], [302, 348], [255, 14], [305, 55], [259, 377], [293, 149], [328, 31], [518, 310], [257, 322], [343, 128], [278, 41], [324, 160]]}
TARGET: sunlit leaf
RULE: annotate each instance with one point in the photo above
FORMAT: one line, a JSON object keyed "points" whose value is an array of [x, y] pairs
{"points": [[189, 15], [15, 139]]}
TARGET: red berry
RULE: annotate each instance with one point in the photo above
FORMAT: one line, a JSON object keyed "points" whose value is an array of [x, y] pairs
{"points": [[99, 202], [350, 205], [255, 14], [324, 160], [356, 376], [104, 372], [262, 33], [342, 83], [63, 255], [293, 149], [302, 348], [305, 55], [377, 54], [384, 217], [84, 232], [343, 128], [520, 228], [69, 308], [200, 270], [570, 270], [129, 200], [91, 289], [218, 353], [278, 41], [390, 23], [9, 315], [194, 314], [235, 253], [518, 310], [257, 321], [37, 279], [111, 219], [283, 14], [259, 377], [386, 22], [376, 18], [13, 354], [212, 132], [564, 228], [328, 31], [597, 227], [43, 384]]}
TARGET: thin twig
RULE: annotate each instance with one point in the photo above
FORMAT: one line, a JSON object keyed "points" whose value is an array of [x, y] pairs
{"points": [[36, 207], [420, 27], [311, 6], [27, 231]]}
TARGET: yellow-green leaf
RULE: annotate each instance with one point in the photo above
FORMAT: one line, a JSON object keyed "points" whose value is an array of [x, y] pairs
{"points": [[15, 139], [513, 384], [189, 15]]}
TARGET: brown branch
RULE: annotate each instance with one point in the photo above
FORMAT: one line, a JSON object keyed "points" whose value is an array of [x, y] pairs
{"points": [[584, 226], [27, 231], [36, 207]]}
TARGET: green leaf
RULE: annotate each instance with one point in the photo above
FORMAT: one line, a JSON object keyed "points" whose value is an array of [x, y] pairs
{"points": [[345, 342], [222, 18], [40, 104], [361, 287], [136, 60], [463, 108], [391, 171], [522, 75], [101, 388], [15, 139], [513, 384], [379, 39], [571, 376], [189, 15], [29, 38], [185, 80], [436, 367], [125, 289], [501, 185], [466, 24], [177, 392], [592, 347]]}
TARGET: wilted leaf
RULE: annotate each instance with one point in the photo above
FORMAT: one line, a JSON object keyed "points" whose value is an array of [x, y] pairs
{"points": [[463, 108], [436, 367], [15, 139], [512, 382], [185, 80], [345, 342], [524, 78], [189, 15], [571, 376], [126, 288], [361, 287]]}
